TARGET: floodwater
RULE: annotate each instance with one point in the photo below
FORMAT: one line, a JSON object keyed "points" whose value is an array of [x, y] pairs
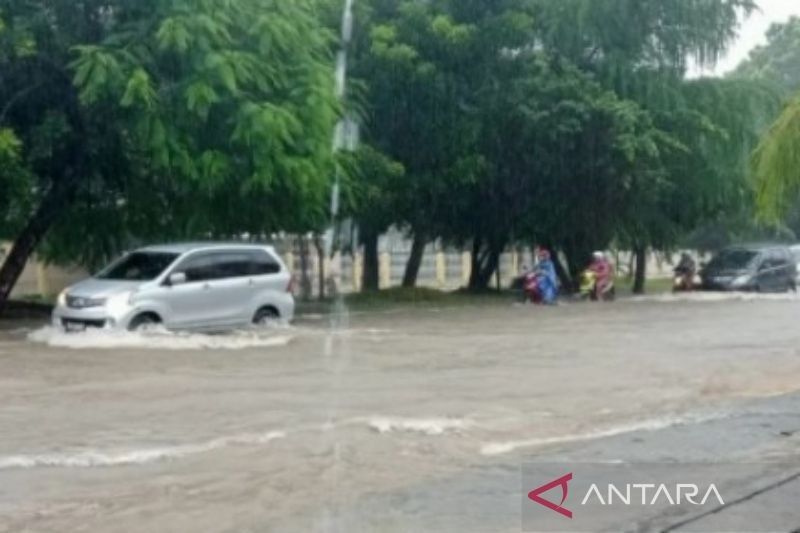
{"points": [[295, 429]]}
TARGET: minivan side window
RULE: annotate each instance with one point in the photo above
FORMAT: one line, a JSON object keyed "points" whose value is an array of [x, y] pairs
{"points": [[199, 268], [773, 259], [232, 265], [262, 263]]}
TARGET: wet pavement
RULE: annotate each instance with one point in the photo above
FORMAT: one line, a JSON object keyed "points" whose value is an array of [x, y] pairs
{"points": [[413, 420]]}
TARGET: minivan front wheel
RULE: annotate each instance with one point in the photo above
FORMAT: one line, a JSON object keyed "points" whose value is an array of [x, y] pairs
{"points": [[143, 322], [266, 317]]}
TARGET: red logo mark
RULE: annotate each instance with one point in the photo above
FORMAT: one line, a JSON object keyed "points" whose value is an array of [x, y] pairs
{"points": [[563, 482]]}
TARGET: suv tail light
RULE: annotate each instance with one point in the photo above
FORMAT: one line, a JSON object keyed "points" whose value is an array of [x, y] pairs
{"points": [[290, 285]]}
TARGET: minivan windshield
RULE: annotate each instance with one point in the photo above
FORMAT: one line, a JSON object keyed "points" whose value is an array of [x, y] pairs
{"points": [[138, 266], [732, 260]]}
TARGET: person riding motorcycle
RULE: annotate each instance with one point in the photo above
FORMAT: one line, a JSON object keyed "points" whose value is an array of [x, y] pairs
{"points": [[547, 278], [603, 273], [685, 272]]}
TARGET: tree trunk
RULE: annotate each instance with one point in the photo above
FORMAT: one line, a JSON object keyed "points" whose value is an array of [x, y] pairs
{"points": [[62, 190], [414, 261], [640, 275], [318, 244], [29, 238], [562, 271], [484, 265], [577, 261], [475, 264], [567, 283], [305, 278], [370, 280], [492, 266]]}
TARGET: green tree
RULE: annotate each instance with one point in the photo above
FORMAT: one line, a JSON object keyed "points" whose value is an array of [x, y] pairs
{"points": [[413, 61], [775, 161], [371, 195], [777, 61], [776, 165], [170, 117], [640, 50], [569, 123]]}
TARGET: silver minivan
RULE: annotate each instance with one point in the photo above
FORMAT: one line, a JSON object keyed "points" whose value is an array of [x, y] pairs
{"points": [[182, 286]]}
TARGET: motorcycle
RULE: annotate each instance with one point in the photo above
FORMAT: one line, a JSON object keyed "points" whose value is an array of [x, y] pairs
{"points": [[590, 291], [532, 289], [686, 281]]}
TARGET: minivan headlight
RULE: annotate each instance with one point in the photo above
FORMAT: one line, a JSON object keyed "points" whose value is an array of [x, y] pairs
{"points": [[62, 298]]}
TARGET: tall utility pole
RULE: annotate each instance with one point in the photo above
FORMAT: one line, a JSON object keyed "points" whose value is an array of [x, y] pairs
{"points": [[346, 134]]}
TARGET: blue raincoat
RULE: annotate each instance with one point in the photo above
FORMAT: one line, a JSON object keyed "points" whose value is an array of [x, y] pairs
{"points": [[548, 280]]}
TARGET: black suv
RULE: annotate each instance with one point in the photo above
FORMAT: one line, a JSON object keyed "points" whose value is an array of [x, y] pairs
{"points": [[759, 268]]}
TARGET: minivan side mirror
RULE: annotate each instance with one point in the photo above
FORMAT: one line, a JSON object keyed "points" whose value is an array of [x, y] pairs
{"points": [[176, 278]]}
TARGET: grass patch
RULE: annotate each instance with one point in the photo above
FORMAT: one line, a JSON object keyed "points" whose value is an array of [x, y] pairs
{"points": [[422, 296], [408, 297], [653, 286], [399, 297]]}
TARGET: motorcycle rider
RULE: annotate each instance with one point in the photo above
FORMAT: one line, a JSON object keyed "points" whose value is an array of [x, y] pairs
{"points": [[603, 271], [685, 271], [548, 279], [686, 265]]}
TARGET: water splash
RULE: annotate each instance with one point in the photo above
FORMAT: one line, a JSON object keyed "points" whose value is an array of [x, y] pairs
{"points": [[425, 426], [159, 339]]}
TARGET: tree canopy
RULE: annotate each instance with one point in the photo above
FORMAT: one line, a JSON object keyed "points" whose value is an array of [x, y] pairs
{"points": [[777, 61], [163, 119], [487, 124], [775, 161]]}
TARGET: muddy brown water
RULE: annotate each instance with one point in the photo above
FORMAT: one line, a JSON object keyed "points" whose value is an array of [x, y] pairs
{"points": [[252, 432]]}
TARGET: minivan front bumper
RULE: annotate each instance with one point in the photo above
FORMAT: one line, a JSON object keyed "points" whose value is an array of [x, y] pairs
{"points": [[78, 319]]}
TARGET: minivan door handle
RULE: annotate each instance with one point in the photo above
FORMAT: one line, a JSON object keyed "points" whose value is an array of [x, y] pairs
{"points": [[206, 286], [251, 282]]}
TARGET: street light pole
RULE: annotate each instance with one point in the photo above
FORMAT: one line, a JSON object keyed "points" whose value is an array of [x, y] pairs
{"points": [[346, 133]]}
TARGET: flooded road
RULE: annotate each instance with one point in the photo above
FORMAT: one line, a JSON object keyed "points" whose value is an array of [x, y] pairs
{"points": [[287, 431]]}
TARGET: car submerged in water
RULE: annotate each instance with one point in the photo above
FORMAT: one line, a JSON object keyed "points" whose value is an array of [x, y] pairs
{"points": [[754, 268], [182, 286]]}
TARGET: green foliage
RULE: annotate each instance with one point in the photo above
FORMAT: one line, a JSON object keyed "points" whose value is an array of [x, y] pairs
{"points": [[774, 162], [15, 183], [776, 165], [199, 118], [619, 36], [777, 61], [371, 188], [565, 122], [568, 123]]}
